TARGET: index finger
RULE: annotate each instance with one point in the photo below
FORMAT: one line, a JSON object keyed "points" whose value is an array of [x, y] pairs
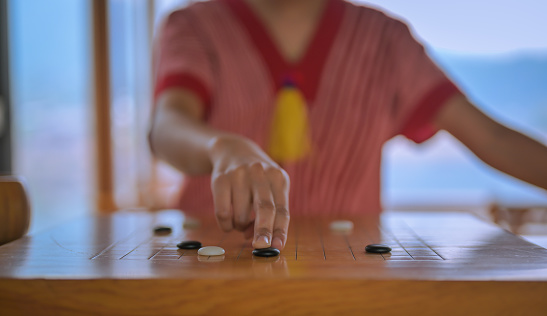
{"points": [[280, 191], [264, 208]]}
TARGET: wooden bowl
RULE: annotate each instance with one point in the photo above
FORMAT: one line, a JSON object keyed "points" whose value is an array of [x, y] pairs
{"points": [[14, 209]]}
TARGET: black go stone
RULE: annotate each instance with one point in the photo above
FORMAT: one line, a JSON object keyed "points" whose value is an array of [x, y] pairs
{"points": [[189, 244], [266, 252], [377, 248], [162, 230]]}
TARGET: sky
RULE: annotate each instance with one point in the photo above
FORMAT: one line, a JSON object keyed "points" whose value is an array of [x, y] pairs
{"points": [[475, 26]]}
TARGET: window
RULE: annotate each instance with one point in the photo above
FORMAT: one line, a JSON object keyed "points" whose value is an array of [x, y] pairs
{"points": [[50, 83]]}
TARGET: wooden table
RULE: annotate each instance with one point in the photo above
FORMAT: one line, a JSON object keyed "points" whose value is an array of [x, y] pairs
{"points": [[441, 263]]}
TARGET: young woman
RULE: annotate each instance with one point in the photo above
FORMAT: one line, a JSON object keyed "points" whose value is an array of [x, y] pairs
{"points": [[257, 100]]}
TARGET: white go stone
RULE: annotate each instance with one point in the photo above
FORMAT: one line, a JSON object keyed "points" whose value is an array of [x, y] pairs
{"points": [[210, 258], [211, 251], [341, 226]]}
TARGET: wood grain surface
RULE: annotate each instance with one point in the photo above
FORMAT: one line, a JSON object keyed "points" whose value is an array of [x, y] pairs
{"points": [[441, 263]]}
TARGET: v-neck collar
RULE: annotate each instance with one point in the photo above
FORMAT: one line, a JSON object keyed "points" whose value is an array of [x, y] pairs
{"points": [[306, 72]]}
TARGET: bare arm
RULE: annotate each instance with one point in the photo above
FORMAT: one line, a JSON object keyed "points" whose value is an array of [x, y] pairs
{"points": [[178, 135], [250, 190], [500, 147]]}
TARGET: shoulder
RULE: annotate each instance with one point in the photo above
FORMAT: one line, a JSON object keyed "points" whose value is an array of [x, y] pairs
{"points": [[194, 12], [371, 17]]}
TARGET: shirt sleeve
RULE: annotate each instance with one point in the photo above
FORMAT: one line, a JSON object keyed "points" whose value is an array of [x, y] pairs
{"points": [[181, 58], [421, 87]]}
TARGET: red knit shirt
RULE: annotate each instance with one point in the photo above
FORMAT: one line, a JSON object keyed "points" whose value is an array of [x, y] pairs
{"points": [[364, 76]]}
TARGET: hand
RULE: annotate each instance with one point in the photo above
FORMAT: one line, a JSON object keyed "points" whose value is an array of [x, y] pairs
{"points": [[250, 191]]}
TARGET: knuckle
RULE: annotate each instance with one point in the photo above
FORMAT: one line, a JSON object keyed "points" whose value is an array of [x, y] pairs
{"points": [[282, 211], [223, 215], [241, 222], [278, 176], [286, 179], [238, 175], [275, 174], [265, 205], [263, 231], [239, 172], [256, 167]]}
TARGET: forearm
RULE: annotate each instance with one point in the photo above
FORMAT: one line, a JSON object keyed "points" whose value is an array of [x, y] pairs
{"points": [[500, 147], [179, 137], [517, 155]]}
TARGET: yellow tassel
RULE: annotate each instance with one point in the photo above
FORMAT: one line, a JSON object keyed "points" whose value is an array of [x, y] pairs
{"points": [[289, 136]]}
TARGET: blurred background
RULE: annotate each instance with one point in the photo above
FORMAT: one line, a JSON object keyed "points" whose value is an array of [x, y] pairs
{"points": [[496, 51]]}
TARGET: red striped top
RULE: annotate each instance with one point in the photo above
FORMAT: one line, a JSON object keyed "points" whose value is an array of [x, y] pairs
{"points": [[366, 80]]}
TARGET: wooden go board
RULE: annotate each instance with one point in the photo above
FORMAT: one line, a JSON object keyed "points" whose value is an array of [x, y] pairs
{"points": [[447, 263]]}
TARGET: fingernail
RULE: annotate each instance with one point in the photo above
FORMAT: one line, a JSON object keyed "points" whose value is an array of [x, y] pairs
{"points": [[264, 239], [277, 242]]}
